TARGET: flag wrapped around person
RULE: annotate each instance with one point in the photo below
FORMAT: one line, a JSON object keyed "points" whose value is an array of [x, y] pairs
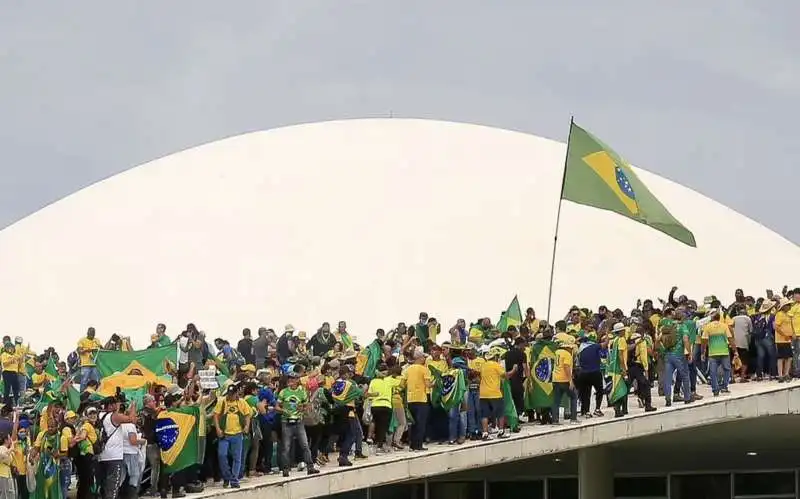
{"points": [[449, 388], [510, 410], [511, 317], [181, 437], [368, 359], [618, 388], [156, 361], [344, 392], [539, 386]]}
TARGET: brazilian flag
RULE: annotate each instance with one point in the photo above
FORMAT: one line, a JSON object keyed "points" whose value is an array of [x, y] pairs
{"points": [[539, 386], [181, 437], [153, 360], [368, 359], [597, 176], [448, 389], [511, 317], [619, 387], [344, 392]]}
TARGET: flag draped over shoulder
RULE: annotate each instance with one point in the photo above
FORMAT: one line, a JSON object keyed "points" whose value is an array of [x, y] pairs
{"points": [[155, 360], [344, 391], [539, 386], [449, 388], [346, 339], [368, 359], [619, 388], [181, 435], [597, 176], [511, 317]]}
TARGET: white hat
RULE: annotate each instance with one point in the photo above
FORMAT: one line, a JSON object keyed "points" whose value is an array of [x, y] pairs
{"points": [[289, 328], [618, 327], [784, 302], [766, 306]]}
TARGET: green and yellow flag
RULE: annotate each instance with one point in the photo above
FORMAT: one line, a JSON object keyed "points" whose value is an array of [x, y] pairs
{"points": [[368, 359], [448, 389], [511, 317], [597, 176], [181, 437], [344, 391], [539, 386], [619, 387], [152, 361]]}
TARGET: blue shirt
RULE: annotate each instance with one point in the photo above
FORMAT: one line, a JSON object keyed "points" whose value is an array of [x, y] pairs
{"points": [[589, 357], [266, 394]]}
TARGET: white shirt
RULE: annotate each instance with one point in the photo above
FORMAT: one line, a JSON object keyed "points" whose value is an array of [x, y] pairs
{"points": [[113, 449], [183, 351], [126, 429]]}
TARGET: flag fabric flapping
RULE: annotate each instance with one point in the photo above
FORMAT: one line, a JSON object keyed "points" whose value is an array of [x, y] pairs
{"points": [[448, 389], [539, 386], [597, 176], [619, 387], [511, 317], [510, 410], [344, 391], [154, 360], [181, 434], [368, 359]]}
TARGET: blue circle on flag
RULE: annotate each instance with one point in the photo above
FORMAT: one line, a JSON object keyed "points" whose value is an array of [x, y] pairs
{"points": [[167, 432], [543, 370], [623, 183]]}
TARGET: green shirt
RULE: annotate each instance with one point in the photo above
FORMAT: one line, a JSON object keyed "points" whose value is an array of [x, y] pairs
{"points": [[291, 402], [164, 341], [689, 328], [717, 335]]}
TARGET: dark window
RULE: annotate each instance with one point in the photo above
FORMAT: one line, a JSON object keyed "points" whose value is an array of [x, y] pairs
{"points": [[562, 488], [640, 486], [350, 494], [454, 490], [399, 491], [508, 490], [696, 486], [762, 484]]}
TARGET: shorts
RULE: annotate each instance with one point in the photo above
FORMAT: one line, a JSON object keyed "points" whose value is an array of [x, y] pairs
{"points": [[492, 408], [784, 350]]}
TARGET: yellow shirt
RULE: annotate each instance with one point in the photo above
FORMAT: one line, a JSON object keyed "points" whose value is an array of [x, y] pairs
{"points": [[397, 397], [417, 378], [10, 362], [783, 327], [87, 358], [91, 436], [66, 436], [383, 389], [475, 364], [231, 415], [794, 314], [492, 374], [562, 371], [19, 460], [654, 320], [23, 353], [640, 354], [6, 458]]}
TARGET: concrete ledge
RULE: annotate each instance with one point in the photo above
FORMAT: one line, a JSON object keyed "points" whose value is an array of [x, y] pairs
{"points": [[747, 401]]}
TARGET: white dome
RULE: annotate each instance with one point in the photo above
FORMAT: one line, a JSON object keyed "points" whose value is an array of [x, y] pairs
{"points": [[370, 221]]}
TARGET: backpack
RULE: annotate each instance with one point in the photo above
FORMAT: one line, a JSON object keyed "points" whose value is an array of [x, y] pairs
{"points": [[316, 413], [669, 336], [102, 436]]}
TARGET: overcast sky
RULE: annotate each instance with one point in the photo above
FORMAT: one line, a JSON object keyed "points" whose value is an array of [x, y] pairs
{"points": [[704, 94]]}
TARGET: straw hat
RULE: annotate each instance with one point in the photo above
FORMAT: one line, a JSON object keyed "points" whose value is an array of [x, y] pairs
{"points": [[784, 302], [289, 328], [766, 306]]}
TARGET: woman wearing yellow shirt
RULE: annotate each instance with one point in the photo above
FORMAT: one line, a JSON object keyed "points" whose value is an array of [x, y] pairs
{"points": [[381, 392], [9, 359], [491, 393], [19, 463], [398, 407]]}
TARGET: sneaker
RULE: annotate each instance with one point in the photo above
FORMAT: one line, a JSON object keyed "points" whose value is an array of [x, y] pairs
{"points": [[286, 472], [503, 434], [598, 413], [301, 467], [669, 403], [485, 436], [650, 408], [574, 421], [236, 486], [225, 484], [312, 470], [359, 455], [179, 494], [725, 390], [345, 462], [697, 396]]}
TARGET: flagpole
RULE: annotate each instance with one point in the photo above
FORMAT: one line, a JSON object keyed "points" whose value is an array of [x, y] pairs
{"points": [[558, 220]]}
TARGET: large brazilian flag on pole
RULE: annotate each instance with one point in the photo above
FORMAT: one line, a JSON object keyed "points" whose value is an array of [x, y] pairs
{"points": [[597, 176]]}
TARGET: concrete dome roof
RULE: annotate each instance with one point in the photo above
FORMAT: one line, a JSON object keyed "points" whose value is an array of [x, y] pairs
{"points": [[370, 221]]}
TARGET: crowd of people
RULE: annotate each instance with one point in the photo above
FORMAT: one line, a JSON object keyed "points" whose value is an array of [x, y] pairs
{"points": [[294, 401]]}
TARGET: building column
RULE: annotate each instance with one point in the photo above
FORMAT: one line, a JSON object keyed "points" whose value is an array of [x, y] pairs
{"points": [[595, 476]]}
